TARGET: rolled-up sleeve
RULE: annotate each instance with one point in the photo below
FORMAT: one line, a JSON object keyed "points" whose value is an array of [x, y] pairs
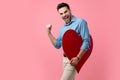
{"points": [[84, 32], [58, 43]]}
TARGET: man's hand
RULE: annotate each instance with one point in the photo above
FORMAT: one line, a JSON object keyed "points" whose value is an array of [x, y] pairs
{"points": [[49, 27], [74, 61]]}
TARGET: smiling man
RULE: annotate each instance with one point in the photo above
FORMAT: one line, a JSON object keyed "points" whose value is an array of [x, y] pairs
{"points": [[74, 23]]}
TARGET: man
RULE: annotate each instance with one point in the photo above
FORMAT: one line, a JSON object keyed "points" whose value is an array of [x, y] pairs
{"points": [[80, 26]]}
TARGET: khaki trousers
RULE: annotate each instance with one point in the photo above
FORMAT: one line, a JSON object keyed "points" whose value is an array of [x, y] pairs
{"points": [[69, 71]]}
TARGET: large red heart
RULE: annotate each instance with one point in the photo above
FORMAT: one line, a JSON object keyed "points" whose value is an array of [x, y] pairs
{"points": [[71, 43]]}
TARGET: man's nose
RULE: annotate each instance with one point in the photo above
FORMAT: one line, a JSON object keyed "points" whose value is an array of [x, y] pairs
{"points": [[64, 15]]}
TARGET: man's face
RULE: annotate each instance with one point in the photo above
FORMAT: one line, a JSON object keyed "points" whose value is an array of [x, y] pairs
{"points": [[65, 14]]}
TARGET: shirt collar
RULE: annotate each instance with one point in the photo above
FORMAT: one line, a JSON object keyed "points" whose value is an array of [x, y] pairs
{"points": [[72, 20]]}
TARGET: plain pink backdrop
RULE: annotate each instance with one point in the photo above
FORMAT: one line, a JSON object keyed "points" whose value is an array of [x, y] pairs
{"points": [[26, 52]]}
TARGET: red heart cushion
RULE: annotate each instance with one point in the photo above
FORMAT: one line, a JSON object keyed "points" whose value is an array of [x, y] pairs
{"points": [[71, 43]]}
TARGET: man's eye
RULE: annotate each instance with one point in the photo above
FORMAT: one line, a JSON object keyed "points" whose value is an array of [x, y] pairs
{"points": [[65, 12]]}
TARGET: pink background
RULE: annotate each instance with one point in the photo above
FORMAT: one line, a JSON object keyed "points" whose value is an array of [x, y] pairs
{"points": [[26, 52]]}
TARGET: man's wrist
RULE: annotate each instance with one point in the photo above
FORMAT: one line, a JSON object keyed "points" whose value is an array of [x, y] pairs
{"points": [[49, 32]]}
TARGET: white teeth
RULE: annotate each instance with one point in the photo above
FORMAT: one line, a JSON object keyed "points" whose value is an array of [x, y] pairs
{"points": [[66, 18]]}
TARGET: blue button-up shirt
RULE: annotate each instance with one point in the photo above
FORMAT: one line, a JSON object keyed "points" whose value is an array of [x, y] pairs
{"points": [[80, 26]]}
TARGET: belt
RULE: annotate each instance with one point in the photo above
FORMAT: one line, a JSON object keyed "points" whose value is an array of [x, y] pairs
{"points": [[64, 55]]}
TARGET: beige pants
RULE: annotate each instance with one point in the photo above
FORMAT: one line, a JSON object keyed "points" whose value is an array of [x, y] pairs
{"points": [[69, 71]]}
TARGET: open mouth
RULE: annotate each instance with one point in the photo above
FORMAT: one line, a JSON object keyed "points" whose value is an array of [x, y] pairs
{"points": [[66, 18]]}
